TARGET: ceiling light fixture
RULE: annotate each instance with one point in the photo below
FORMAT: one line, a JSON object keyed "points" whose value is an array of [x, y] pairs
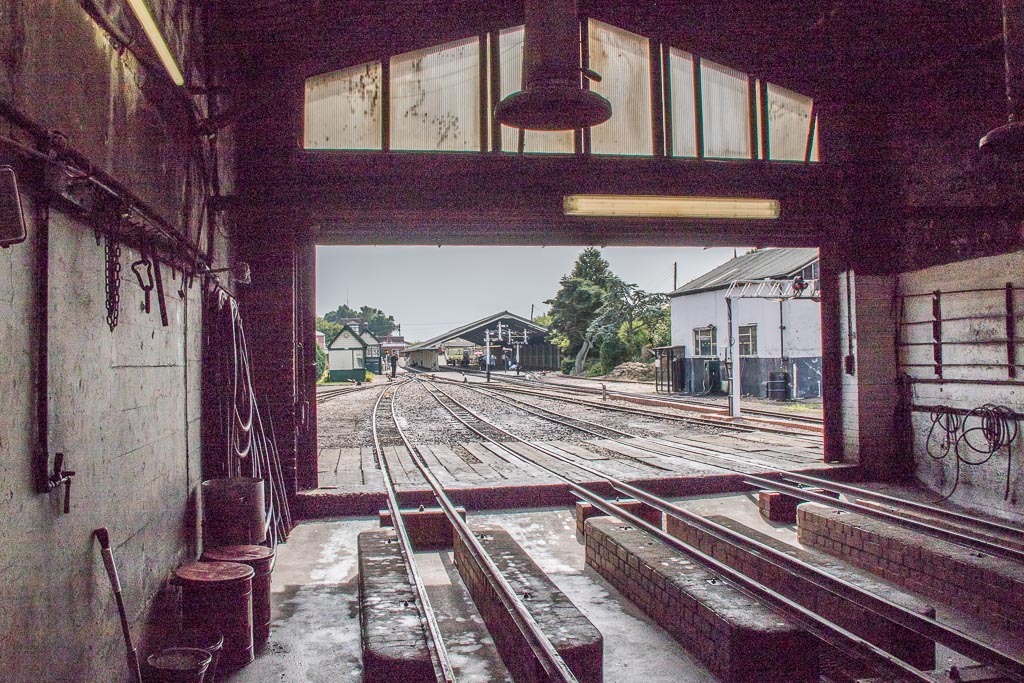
{"points": [[552, 96], [157, 40], [654, 206]]}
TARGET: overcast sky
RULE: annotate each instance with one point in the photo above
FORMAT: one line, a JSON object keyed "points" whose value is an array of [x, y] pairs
{"points": [[430, 290]]}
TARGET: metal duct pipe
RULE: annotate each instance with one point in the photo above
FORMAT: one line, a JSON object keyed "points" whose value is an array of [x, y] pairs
{"points": [[552, 97], [1009, 139]]}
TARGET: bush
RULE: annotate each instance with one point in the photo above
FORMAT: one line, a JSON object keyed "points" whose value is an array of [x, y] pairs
{"points": [[567, 365], [369, 376], [321, 364], [613, 352]]}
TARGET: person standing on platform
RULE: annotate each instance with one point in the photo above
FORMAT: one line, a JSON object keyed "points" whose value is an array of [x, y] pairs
{"points": [[394, 363]]}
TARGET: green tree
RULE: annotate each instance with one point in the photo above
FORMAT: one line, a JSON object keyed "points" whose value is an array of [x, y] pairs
{"points": [[340, 313], [330, 329], [377, 322], [613, 352], [321, 363], [573, 309], [579, 299], [591, 266], [623, 307]]}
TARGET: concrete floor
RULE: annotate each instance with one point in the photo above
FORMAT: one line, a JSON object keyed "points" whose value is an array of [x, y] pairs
{"points": [[315, 628]]}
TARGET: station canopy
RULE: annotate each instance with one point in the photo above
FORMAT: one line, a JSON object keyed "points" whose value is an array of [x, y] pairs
{"points": [[475, 332]]}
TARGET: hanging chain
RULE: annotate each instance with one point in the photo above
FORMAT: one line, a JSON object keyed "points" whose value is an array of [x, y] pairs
{"points": [[112, 254]]}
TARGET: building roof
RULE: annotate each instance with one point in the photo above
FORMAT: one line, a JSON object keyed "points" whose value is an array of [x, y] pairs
{"points": [[474, 332], [351, 331], [756, 265]]}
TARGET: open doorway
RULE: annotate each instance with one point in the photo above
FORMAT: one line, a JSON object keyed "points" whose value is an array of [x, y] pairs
{"points": [[669, 333]]}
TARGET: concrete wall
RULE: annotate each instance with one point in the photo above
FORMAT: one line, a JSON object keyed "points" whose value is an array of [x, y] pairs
{"points": [[124, 404]]}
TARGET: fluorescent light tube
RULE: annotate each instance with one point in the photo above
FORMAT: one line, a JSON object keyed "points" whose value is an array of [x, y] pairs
{"points": [[654, 206], [155, 37]]}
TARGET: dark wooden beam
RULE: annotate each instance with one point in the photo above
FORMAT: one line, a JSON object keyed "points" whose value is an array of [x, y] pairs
{"points": [[414, 198]]}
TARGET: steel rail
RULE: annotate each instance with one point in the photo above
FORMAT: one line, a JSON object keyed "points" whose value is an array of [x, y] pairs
{"points": [[823, 629], [826, 630], [725, 424], [555, 668], [676, 400], [933, 510], [637, 411], [674, 448], [683, 401], [914, 525], [328, 394], [924, 626], [442, 663]]}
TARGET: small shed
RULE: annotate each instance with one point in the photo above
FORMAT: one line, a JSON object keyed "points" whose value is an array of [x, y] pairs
{"points": [[347, 356], [373, 347]]}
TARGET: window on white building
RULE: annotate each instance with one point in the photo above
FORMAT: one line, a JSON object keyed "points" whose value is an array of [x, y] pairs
{"points": [[748, 340], [357, 360], [705, 341]]}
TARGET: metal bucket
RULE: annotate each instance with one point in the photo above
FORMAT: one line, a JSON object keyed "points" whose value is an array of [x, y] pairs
{"points": [[217, 597], [179, 665], [234, 511], [261, 559], [211, 641]]}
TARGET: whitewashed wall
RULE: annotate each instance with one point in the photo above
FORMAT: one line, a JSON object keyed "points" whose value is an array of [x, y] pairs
{"points": [[801, 318], [966, 387]]}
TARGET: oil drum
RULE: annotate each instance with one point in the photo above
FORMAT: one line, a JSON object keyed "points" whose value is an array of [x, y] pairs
{"points": [[261, 559], [217, 597], [233, 511]]}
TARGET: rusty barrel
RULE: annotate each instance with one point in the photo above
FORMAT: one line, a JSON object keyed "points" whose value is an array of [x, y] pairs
{"points": [[233, 511], [217, 597], [261, 559]]}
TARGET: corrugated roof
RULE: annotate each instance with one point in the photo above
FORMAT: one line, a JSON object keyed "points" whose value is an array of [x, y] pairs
{"points": [[757, 265], [473, 331]]}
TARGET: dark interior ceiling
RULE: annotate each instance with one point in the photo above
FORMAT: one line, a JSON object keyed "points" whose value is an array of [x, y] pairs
{"points": [[817, 46], [855, 58]]}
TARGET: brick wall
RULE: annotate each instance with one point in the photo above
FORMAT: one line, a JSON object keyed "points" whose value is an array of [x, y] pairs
{"points": [[577, 640], [902, 642], [927, 566], [735, 636]]}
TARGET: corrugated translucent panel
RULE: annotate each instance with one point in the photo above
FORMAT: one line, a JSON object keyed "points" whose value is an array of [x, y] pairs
{"points": [[623, 60], [343, 109], [681, 109], [726, 112], [435, 98], [510, 44], [789, 122]]}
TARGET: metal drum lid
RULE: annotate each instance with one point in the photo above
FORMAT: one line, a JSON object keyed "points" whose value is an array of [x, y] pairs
{"points": [[214, 572], [249, 554]]}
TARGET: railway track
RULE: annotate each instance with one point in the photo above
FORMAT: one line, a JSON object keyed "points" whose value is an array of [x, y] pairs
{"points": [[726, 424], [886, 664], [547, 659], [788, 483], [327, 394], [704, 404]]}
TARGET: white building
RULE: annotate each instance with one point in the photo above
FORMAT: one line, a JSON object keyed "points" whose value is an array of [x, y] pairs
{"points": [[779, 339], [347, 356]]}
